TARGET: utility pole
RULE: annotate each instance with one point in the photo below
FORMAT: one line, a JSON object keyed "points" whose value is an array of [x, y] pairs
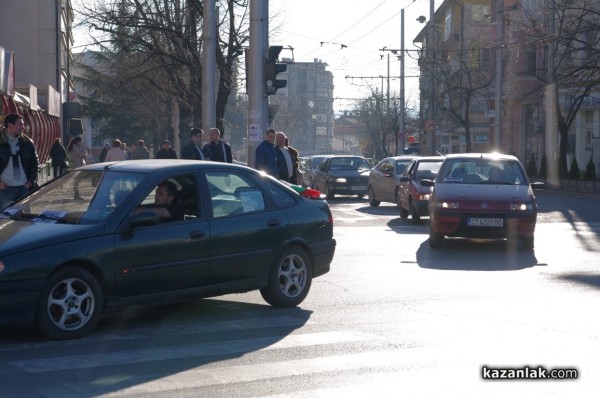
{"points": [[402, 122], [209, 63], [431, 56], [257, 100], [499, 72]]}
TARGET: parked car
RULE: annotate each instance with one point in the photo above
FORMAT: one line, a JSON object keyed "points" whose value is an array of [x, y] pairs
{"points": [[482, 196], [413, 197], [343, 175], [309, 169], [384, 179], [92, 240]]}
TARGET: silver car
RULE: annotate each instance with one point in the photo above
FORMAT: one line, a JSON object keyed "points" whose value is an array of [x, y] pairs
{"points": [[384, 179]]}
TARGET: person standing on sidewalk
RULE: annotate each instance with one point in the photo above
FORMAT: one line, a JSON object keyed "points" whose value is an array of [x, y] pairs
{"points": [[216, 149], [18, 161], [58, 154], [265, 155], [193, 149]]}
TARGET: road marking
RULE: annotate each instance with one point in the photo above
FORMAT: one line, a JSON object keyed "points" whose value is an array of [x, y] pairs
{"points": [[187, 351]]}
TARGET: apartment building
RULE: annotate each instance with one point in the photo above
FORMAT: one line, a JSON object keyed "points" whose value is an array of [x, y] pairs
{"points": [[470, 60], [304, 109], [39, 34]]}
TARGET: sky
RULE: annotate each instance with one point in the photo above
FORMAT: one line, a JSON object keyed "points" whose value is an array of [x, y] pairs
{"points": [[348, 35]]}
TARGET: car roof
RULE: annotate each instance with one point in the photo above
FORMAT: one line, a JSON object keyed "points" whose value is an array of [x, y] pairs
{"points": [[494, 155], [430, 158], [150, 165]]}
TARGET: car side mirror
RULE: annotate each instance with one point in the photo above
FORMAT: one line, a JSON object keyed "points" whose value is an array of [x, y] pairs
{"points": [[427, 182], [538, 185], [404, 179]]}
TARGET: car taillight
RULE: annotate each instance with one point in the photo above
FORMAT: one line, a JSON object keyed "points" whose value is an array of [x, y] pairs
{"points": [[311, 193]]}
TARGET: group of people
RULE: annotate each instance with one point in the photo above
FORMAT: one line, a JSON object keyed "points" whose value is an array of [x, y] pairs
{"points": [[277, 158], [215, 149], [118, 150]]}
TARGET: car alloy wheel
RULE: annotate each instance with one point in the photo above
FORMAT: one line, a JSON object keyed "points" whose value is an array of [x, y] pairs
{"points": [[70, 304], [290, 279]]}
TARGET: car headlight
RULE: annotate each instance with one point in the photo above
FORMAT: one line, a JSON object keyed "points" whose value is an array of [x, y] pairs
{"points": [[340, 180], [440, 204], [521, 206]]}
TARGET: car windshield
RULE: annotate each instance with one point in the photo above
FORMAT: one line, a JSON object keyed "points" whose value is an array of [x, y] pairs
{"points": [[349, 164], [79, 197], [483, 171]]}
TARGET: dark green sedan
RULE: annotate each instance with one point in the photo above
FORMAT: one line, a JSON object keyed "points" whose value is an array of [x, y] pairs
{"points": [[99, 237]]}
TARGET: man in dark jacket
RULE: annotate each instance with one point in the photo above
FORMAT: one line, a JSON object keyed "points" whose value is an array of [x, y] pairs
{"points": [[18, 161], [265, 155], [166, 152], [58, 154], [216, 149], [193, 149]]}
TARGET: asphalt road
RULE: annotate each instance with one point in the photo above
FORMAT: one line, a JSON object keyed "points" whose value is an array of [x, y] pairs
{"points": [[392, 318]]}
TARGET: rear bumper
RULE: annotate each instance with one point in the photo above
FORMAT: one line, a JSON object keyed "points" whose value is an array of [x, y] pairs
{"points": [[323, 252]]}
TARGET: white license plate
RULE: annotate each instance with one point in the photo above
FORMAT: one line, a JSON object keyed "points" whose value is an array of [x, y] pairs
{"points": [[485, 222], [356, 188]]}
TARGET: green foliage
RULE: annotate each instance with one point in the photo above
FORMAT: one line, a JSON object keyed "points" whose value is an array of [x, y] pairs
{"points": [[574, 172], [590, 171], [531, 167], [544, 167]]}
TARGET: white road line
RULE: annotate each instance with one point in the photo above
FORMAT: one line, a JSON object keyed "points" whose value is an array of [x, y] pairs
{"points": [[187, 351]]}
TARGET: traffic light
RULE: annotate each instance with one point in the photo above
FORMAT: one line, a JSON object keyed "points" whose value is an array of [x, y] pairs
{"points": [[272, 68]]}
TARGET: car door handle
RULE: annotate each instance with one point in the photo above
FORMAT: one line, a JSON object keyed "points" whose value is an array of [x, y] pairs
{"points": [[197, 234], [273, 223]]}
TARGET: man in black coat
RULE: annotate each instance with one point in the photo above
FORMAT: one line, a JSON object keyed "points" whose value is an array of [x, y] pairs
{"points": [[166, 152], [18, 161], [216, 149], [193, 149]]}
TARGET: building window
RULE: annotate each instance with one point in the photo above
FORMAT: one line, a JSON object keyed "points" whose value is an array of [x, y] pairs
{"points": [[481, 13], [589, 117], [448, 24], [531, 61]]}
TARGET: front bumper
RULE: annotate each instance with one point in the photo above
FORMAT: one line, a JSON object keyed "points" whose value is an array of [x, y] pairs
{"points": [[514, 225]]}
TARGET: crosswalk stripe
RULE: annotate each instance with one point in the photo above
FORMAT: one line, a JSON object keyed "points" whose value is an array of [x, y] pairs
{"points": [[187, 351], [206, 377]]}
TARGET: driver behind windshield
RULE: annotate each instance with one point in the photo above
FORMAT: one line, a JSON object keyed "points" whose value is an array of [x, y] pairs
{"points": [[164, 203]]}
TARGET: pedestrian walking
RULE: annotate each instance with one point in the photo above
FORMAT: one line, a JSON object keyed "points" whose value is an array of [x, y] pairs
{"points": [[58, 154]]}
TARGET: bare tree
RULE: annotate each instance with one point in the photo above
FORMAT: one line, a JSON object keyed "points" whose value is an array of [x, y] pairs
{"points": [[156, 46], [570, 32], [464, 77]]}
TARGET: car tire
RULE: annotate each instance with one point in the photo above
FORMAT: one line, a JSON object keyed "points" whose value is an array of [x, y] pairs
{"points": [[70, 304], [290, 279], [371, 195], [435, 240], [415, 217], [527, 243], [328, 192]]}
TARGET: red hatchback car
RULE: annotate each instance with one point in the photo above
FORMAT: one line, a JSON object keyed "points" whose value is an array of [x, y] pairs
{"points": [[482, 196], [413, 197]]}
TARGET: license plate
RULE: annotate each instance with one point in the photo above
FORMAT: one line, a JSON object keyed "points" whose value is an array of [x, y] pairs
{"points": [[358, 188], [485, 222]]}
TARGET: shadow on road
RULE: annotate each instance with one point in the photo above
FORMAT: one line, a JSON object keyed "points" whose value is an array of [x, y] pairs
{"points": [[475, 255], [140, 345], [585, 280]]}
